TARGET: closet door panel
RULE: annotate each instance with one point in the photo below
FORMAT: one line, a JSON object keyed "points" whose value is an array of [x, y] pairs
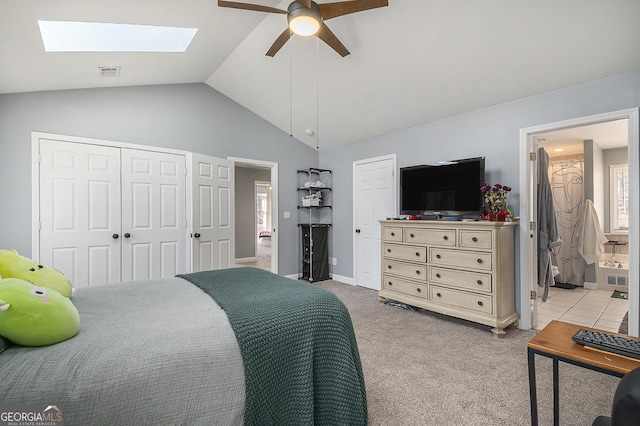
{"points": [[153, 214], [213, 221], [80, 211]]}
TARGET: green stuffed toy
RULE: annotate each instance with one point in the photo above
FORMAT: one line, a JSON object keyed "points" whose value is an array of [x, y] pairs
{"points": [[35, 316], [12, 265]]}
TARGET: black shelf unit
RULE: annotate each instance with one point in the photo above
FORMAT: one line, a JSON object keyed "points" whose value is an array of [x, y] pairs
{"points": [[314, 221], [315, 252]]}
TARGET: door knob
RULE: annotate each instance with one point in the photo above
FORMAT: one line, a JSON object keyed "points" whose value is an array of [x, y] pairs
{"points": [[115, 236], [127, 235], [196, 235]]}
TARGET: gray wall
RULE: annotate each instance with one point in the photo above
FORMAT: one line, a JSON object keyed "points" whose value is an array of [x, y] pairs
{"points": [[492, 132], [192, 117], [246, 209], [594, 191]]}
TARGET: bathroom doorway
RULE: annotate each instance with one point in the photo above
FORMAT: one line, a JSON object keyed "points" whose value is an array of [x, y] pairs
{"points": [[583, 164], [263, 218]]}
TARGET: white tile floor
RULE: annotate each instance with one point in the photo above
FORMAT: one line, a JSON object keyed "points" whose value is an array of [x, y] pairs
{"points": [[589, 308]]}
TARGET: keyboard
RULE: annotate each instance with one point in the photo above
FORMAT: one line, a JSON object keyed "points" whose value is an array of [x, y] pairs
{"points": [[608, 342]]}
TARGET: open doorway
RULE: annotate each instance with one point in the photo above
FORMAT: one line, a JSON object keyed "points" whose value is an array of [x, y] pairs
{"points": [[256, 217], [262, 236], [583, 180], [528, 203]]}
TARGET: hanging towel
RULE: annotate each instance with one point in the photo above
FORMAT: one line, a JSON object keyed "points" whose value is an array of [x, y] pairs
{"points": [[590, 236]]}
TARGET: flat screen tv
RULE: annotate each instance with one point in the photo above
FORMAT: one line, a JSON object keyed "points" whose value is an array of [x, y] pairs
{"points": [[446, 189]]}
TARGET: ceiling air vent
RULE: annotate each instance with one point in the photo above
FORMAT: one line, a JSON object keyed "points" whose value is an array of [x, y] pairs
{"points": [[108, 72]]}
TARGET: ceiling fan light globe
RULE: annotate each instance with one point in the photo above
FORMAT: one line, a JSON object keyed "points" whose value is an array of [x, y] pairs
{"points": [[304, 25], [303, 20]]}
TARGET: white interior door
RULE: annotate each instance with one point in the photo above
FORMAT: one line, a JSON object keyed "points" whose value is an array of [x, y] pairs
{"points": [[213, 213], [80, 211], [374, 199], [153, 214]]}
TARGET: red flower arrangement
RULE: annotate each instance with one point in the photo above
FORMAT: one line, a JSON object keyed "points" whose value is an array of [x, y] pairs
{"points": [[496, 198]]}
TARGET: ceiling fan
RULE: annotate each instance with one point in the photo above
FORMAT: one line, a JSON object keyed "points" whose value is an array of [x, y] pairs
{"points": [[306, 17]]}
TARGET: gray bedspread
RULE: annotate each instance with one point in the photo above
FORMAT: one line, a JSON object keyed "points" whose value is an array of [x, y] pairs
{"points": [[158, 352]]}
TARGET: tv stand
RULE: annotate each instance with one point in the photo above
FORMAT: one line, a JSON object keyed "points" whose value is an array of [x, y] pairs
{"points": [[458, 268]]}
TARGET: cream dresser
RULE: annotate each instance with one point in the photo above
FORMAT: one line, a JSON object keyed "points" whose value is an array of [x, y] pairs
{"points": [[457, 268]]}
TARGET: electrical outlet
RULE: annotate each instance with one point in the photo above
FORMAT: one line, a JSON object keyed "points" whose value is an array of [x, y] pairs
{"points": [[334, 261]]}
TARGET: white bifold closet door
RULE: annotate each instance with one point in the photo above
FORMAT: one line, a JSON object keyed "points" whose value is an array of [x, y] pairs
{"points": [[110, 214], [153, 214], [213, 213], [80, 211]]}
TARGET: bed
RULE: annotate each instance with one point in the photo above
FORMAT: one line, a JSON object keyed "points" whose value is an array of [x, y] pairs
{"points": [[231, 347]]}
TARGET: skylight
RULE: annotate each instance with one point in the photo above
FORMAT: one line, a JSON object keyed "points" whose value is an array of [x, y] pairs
{"points": [[67, 36]]}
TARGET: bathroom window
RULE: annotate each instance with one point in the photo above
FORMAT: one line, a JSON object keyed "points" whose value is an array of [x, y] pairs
{"points": [[619, 198]]}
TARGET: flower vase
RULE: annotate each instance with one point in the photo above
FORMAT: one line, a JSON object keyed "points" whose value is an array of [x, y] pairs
{"points": [[496, 217]]}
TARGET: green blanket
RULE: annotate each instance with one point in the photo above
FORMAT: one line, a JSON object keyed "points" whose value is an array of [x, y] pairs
{"points": [[301, 360]]}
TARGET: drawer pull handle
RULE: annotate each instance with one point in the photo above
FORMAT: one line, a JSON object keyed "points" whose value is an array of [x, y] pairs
{"points": [[390, 283], [437, 275], [419, 290], [474, 239], [411, 235], [418, 253], [479, 282], [389, 266], [438, 256], [438, 294], [417, 272], [393, 234], [445, 238], [479, 302], [388, 250], [479, 260]]}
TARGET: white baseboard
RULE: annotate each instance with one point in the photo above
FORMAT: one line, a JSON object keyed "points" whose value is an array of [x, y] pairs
{"points": [[246, 260], [345, 280], [590, 286]]}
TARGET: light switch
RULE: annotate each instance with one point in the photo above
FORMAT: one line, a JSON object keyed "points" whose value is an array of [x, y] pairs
{"points": [[287, 215]]}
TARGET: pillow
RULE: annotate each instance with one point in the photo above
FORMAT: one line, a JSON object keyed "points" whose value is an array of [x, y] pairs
{"points": [[35, 316], [12, 265]]}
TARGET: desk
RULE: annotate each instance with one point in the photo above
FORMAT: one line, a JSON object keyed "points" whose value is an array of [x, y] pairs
{"points": [[554, 342]]}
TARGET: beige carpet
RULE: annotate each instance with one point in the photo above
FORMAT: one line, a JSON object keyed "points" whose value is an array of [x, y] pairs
{"points": [[423, 368]]}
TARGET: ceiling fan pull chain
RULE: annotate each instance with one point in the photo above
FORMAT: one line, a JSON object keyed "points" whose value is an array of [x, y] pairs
{"points": [[290, 86]]}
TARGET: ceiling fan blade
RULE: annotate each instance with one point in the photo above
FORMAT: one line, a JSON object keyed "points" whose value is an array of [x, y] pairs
{"points": [[332, 10], [249, 6], [330, 38], [280, 41]]}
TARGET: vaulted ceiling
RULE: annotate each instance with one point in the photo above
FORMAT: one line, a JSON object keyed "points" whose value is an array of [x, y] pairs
{"points": [[412, 62]]}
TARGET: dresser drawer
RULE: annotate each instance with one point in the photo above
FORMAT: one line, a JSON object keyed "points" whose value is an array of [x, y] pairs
{"points": [[461, 299], [416, 272], [460, 259], [440, 237], [466, 280], [392, 233], [411, 288], [411, 253], [475, 239]]}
